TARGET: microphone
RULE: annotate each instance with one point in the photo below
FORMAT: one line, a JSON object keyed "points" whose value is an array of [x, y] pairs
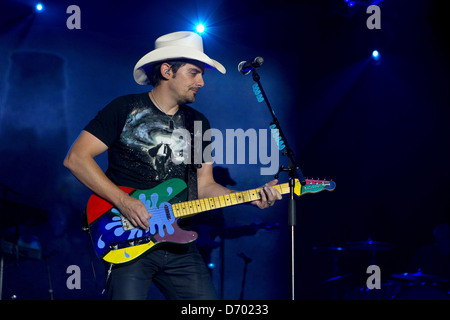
{"points": [[245, 67]]}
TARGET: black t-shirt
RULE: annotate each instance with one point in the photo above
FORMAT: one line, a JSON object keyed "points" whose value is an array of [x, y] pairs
{"points": [[146, 146]]}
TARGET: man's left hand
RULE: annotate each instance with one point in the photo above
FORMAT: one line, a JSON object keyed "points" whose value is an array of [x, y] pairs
{"points": [[268, 195]]}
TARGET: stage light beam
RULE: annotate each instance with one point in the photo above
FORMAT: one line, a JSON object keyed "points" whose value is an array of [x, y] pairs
{"points": [[200, 28], [39, 7], [375, 54]]}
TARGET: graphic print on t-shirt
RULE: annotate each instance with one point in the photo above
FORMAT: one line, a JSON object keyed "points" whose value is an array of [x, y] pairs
{"points": [[147, 133]]}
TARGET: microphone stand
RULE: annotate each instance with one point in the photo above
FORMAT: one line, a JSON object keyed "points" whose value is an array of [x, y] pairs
{"points": [[293, 171]]}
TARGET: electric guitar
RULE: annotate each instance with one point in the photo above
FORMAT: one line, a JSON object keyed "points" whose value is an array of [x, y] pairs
{"points": [[117, 241]]}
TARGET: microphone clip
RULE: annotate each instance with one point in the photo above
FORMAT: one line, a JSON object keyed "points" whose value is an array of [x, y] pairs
{"points": [[245, 67]]}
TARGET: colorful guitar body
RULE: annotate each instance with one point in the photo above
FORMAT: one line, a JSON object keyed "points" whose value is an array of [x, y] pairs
{"points": [[116, 241], [114, 244]]}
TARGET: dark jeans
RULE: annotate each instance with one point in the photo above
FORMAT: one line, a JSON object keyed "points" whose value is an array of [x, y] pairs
{"points": [[179, 272]]}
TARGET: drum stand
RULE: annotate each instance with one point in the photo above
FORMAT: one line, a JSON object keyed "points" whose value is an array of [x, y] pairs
{"points": [[247, 260], [1, 274]]}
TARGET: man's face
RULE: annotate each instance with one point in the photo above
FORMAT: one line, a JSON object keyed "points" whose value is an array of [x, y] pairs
{"points": [[186, 82]]}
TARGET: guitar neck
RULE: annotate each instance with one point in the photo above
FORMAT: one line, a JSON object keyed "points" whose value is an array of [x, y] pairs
{"points": [[190, 208]]}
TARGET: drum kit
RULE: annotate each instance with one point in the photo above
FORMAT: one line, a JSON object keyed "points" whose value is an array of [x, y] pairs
{"points": [[399, 286]]}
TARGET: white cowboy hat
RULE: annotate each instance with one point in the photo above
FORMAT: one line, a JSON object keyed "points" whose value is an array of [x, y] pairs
{"points": [[182, 44]]}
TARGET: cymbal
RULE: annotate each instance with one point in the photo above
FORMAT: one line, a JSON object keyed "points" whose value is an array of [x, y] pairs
{"points": [[328, 248], [339, 277], [419, 276], [369, 245]]}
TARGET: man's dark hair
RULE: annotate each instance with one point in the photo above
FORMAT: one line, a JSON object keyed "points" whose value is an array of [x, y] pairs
{"points": [[155, 76]]}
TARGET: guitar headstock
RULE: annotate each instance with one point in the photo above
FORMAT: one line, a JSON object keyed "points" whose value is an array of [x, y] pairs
{"points": [[313, 186]]}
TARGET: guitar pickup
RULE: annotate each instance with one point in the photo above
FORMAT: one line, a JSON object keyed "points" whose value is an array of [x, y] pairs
{"points": [[126, 224]]}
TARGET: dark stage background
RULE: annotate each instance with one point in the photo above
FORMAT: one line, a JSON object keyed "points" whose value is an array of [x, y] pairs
{"points": [[379, 129]]}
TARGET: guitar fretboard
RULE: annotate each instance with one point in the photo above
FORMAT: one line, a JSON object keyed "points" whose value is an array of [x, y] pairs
{"points": [[189, 208]]}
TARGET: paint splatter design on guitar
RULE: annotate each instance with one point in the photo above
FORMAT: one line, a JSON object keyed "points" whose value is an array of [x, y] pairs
{"points": [[160, 222]]}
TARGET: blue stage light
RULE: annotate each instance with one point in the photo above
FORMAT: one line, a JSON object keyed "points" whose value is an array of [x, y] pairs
{"points": [[200, 28], [375, 54], [39, 7], [351, 3]]}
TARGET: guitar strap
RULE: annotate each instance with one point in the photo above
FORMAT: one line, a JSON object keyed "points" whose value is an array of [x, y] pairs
{"points": [[191, 168]]}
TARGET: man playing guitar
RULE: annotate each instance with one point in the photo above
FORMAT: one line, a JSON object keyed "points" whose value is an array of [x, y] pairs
{"points": [[136, 130]]}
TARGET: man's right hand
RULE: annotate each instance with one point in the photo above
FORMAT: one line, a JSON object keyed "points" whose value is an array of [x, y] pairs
{"points": [[135, 211]]}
